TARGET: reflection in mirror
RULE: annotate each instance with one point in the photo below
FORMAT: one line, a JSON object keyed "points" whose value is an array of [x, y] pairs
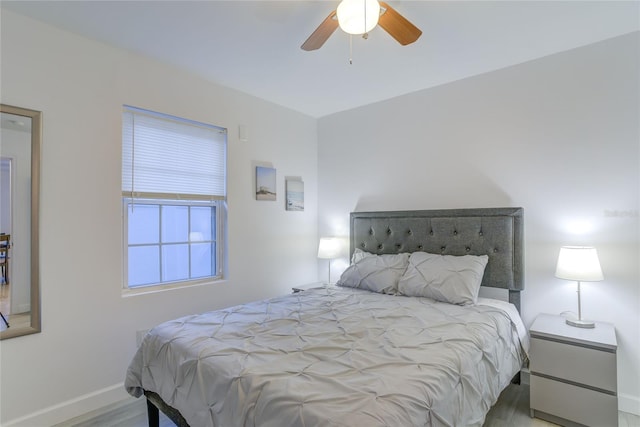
{"points": [[19, 204]]}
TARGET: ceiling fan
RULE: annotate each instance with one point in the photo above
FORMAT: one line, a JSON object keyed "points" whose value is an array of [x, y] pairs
{"points": [[360, 17]]}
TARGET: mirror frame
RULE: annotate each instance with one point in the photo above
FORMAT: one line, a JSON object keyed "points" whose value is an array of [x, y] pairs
{"points": [[36, 142]]}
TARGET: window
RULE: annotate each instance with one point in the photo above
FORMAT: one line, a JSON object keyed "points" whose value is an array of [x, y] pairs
{"points": [[173, 194]]}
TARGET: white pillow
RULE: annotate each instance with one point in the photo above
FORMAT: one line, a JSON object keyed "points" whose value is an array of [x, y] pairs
{"points": [[447, 278], [359, 254], [377, 273]]}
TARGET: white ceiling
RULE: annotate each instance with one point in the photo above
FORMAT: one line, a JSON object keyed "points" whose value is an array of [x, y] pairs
{"points": [[254, 46]]}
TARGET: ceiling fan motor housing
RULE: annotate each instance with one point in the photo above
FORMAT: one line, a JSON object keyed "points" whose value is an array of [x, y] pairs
{"points": [[358, 16]]}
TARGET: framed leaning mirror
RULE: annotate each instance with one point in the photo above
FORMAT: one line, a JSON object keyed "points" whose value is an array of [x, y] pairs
{"points": [[19, 221]]}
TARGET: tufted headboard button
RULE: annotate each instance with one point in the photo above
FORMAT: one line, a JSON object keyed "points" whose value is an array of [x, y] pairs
{"points": [[468, 249], [455, 233]]}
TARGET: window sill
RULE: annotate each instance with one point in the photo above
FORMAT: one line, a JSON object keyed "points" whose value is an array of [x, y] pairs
{"points": [[144, 290]]}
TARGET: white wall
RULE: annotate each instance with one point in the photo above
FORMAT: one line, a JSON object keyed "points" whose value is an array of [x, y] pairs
{"points": [[88, 336], [5, 191], [16, 146], [558, 136]]}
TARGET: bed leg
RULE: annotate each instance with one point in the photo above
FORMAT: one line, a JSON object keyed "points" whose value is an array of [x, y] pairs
{"points": [[516, 379], [153, 414]]}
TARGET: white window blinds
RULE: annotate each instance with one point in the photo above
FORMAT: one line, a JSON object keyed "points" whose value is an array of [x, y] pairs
{"points": [[164, 157]]}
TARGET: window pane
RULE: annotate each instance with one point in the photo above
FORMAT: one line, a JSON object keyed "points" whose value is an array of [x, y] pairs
{"points": [[144, 265], [175, 224], [201, 223], [144, 224], [214, 219], [202, 260], [175, 262]]}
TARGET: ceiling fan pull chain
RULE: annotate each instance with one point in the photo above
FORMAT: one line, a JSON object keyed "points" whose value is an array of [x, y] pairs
{"points": [[350, 49]]}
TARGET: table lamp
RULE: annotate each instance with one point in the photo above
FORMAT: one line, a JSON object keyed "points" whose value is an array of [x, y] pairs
{"points": [[579, 263], [329, 248]]}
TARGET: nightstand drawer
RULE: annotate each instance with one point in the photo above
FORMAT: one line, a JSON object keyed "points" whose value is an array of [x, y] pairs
{"points": [[581, 405], [582, 365]]}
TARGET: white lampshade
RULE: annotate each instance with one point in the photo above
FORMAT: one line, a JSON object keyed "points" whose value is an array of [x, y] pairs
{"points": [[329, 248], [579, 263], [358, 16]]}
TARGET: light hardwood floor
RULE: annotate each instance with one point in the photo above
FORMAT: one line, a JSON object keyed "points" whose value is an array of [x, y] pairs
{"points": [[512, 410], [15, 320]]}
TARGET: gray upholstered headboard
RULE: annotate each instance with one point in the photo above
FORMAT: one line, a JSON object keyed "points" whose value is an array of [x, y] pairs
{"points": [[496, 232]]}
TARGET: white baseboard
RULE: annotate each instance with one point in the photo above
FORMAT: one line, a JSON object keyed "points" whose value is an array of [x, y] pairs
{"points": [[72, 408], [22, 308], [628, 403]]}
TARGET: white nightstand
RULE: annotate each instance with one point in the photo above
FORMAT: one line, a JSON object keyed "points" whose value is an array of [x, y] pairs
{"points": [[308, 286], [573, 372]]}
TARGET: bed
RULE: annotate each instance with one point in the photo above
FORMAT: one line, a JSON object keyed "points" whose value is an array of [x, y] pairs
{"points": [[362, 353]]}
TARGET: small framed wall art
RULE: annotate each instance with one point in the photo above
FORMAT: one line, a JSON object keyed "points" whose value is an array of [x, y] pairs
{"points": [[265, 183], [295, 195]]}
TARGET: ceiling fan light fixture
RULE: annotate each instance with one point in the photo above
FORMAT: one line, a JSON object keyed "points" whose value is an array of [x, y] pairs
{"points": [[358, 16]]}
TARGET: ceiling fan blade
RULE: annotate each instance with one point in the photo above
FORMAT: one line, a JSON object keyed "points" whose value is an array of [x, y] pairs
{"points": [[322, 33], [398, 26]]}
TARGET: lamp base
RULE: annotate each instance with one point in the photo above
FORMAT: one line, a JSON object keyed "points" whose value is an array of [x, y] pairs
{"points": [[581, 323]]}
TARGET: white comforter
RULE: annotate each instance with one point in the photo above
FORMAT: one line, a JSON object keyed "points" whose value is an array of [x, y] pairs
{"points": [[332, 357]]}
